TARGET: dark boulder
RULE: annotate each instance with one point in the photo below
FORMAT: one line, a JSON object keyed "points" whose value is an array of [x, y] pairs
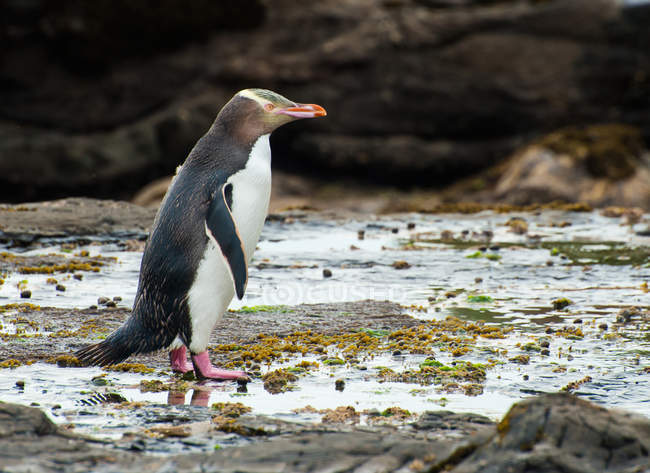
{"points": [[560, 432]]}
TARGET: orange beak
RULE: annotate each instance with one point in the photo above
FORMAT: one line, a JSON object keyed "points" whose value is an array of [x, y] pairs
{"points": [[303, 110]]}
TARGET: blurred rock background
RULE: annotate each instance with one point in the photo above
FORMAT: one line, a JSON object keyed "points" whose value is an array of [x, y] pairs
{"points": [[428, 101]]}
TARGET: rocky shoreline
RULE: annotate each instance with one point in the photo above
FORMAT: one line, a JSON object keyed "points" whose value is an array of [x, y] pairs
{"points": [[549, 433], [542, 433]]}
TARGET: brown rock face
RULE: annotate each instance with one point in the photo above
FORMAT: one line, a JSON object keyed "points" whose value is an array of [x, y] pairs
{"points": [[101, 100], [600, 165]]}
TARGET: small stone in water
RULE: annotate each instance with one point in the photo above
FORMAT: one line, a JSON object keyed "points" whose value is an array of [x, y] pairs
{"points": [[25, 294], [99, 381], [410, 225], [60, 288], [339, 385], [102, 300], [78, 277], [545, 352], [361, 234], [526, 377], [401, 265], [544, 344], [397, 353], [478, 280], [327, 273], [394, 230], [20, 384], [577, 321], [117, 298], [111, 304], [603, 326]]}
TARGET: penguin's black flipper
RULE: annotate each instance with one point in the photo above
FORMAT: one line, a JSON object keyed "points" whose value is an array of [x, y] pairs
{"points": [[221, 227]]}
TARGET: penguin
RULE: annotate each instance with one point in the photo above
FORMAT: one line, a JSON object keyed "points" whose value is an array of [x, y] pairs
{"points": [[203, 237]]}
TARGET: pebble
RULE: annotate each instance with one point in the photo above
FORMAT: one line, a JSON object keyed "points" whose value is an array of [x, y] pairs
{"points": [[577, 321], [102, 300], [117, 298], [410, 225], [526, 377], [78, 277], [111, 304], [361, 234], [25, 294], [603, 326], [478, 280], [397, 353], [327, 273], [545, 352], [60, 288], [544, 344], [20, 384], [339, 385], [400, 265], [394, 230]]}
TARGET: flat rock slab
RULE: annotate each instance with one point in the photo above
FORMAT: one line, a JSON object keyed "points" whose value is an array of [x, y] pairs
{"points": [[550, 433], [25, 223], [70, 329]]}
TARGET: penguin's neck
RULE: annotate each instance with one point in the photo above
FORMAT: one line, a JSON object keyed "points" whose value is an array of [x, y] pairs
{"points": [[259, 160]]}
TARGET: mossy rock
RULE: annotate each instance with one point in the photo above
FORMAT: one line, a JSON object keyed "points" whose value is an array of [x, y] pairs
{"points": [[609, 150]]}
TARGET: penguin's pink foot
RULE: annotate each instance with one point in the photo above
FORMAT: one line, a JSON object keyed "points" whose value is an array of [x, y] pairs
{"points": [[203, 369], [178, 360]]}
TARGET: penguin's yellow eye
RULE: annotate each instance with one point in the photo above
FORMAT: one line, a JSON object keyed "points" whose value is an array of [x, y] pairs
{"points": [[268, 107]]}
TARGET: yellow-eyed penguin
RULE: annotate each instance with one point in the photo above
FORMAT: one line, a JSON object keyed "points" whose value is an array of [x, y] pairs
{"points": [[203, 237]]}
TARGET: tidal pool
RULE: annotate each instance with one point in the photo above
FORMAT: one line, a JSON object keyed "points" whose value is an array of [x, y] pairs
{"points": [[471, 267]]}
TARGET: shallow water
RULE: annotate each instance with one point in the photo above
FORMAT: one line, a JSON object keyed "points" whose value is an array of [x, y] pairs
{"points": [[519, 282]]}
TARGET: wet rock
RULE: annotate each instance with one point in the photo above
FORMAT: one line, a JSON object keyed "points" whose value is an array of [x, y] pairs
{"points": [[327, 273], [25, 294]]}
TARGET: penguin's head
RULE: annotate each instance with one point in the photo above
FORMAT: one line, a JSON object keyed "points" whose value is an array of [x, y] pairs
{"points": [[259, 111]]}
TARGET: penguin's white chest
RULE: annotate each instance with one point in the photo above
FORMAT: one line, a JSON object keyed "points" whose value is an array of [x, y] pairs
{"points": [[251, 191], [213, 287]]}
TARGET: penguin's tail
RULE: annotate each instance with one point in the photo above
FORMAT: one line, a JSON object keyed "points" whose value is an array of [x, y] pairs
{"points": [[114, 349], [118, 346]]}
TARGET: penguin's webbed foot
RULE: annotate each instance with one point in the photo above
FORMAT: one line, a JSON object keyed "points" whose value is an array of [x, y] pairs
{"points": [[203, 369], [178, 360]]}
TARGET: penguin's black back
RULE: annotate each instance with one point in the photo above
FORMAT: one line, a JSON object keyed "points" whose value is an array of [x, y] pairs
{"points": [[173, 251]]}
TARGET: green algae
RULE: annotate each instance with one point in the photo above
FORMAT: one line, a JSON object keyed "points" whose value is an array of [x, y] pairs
{"points": [[602, 252], [479, 298]]}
